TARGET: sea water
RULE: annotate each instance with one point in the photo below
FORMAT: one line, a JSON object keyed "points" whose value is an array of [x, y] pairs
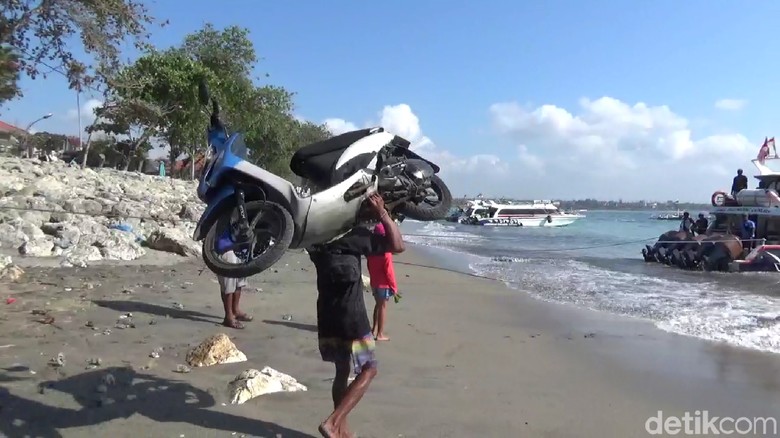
{"points": [[596, 263]]}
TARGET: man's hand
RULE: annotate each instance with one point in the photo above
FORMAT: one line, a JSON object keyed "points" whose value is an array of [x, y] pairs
{"points": [[376, 204]]}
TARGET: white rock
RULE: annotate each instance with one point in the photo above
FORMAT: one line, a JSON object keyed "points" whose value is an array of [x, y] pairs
{"points": [[173, 240], [38, 247], [8, 270], [253, 383], [215, 350], [75, 202]]}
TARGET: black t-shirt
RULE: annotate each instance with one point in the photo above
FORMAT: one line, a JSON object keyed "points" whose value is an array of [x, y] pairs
{"points": [[701, 225], [740, 182], [341, 310]]}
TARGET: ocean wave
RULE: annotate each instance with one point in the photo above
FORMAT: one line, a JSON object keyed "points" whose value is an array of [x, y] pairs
{"points": [[438, 234], [703, 309], [708, 306]]}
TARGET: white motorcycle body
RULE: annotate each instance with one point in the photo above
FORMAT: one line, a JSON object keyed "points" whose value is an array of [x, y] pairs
{"points": [[320, 216]]}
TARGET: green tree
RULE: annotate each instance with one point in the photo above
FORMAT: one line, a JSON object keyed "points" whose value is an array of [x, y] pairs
{"points": [[157, 97], [135, 120], [47, 141], [42, 32], [262, 113], [9, 74]]}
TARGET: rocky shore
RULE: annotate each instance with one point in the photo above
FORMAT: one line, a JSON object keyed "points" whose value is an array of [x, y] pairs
{"points": [[80, 216]]}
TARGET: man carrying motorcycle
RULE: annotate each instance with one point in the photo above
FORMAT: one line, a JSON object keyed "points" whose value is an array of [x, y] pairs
{"points": [[343, 328]]}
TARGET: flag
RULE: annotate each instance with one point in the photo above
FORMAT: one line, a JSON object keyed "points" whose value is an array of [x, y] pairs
{"points": [[772, 143], [763, 152]]}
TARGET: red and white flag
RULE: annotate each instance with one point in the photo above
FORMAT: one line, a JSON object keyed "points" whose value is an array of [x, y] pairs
{"points": [[772, 143], [764, 151]]}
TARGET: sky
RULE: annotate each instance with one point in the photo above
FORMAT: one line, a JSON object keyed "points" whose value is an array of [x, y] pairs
{"points": [[552, 99]]}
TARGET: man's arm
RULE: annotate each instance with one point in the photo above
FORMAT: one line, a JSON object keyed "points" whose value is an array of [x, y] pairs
{"points": [[394, 241]]}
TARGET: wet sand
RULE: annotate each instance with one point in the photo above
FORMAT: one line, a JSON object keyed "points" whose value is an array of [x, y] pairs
{"points": [[468, 357]]}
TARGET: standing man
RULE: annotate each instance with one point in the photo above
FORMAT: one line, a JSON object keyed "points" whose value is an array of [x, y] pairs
{"points": [[230, 289], [740, 182], [748, 233], [701, 225], [687, 222], [343, 328]]}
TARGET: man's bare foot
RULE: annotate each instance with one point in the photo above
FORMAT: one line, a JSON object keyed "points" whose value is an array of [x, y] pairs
{"points": [[382, 338], [328, 431], [243, 317], [232, 323], [346, 433]]}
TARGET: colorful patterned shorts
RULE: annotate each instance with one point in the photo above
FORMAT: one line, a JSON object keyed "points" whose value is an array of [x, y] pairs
{"points": [[360, 351]]}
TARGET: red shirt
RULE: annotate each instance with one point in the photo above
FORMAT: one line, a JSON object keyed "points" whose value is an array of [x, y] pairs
{"points": [[380, 268]]}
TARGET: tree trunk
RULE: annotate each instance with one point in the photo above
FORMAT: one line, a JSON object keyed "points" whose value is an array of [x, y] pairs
{"points": [[86, 151]]}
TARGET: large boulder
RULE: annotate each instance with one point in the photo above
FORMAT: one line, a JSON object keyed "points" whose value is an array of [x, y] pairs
{"points": [[173, 240]]}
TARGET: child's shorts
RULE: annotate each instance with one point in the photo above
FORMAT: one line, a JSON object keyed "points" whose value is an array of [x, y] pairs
{"points": [[383, 293]]}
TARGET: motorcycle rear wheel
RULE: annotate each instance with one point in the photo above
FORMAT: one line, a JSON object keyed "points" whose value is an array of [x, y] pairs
{"points": [[267, 220], [426, 212]]}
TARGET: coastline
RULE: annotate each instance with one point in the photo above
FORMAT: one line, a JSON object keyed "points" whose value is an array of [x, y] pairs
{"points": [[468, 357]]}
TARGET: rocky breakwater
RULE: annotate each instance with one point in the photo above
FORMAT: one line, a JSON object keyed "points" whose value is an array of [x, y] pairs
{"points": [[50, 209]]}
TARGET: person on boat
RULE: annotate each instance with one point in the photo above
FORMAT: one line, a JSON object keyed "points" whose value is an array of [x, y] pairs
{"points": [[748, 232], [700, 227], [740, 183], [687, 222]]}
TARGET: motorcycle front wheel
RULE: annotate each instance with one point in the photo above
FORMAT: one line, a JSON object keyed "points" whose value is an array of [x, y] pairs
{"points": [[434, 207], [272, 232]]}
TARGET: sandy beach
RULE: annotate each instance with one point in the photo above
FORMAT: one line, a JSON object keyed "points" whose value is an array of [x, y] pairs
{"points": [[468, 357]]}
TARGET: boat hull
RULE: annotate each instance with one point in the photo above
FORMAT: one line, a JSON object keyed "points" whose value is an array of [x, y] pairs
{"points": [[535, 221]]}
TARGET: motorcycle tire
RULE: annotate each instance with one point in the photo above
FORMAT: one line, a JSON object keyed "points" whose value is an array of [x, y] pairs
{"points": [[419, 212], [257, 265]]}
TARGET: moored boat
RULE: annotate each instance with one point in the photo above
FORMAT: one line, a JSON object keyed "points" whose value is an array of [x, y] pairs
{"points": [[524, 214]]}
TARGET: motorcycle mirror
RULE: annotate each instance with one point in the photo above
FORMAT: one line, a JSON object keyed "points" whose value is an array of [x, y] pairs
{"points": [[203, 92]]}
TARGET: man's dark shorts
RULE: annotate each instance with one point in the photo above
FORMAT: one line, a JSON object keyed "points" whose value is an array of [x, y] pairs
{"points": [[359, 351]]}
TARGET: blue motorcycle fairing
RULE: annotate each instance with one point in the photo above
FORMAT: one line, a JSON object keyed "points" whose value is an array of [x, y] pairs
{"points": [[214, 208]]}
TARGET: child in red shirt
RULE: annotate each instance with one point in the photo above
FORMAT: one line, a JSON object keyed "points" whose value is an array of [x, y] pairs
{"points": [[380, 268]]}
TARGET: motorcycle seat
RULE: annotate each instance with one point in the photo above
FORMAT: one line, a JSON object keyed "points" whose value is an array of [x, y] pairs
{"points": [[316, 161]]}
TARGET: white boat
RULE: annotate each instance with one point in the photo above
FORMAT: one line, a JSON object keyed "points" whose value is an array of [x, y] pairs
{"points": [[526, 214]]}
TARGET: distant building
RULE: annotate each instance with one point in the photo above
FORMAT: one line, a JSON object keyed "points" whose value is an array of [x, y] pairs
{"points": [[10, 137]]}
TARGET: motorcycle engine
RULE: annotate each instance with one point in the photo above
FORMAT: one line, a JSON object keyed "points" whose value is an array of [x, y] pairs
{"points": [[418, 171]]}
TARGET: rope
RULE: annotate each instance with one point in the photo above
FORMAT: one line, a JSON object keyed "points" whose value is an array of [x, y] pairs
{"points": [[578, 248], [468, 274], [710, 241], [108, 215]]}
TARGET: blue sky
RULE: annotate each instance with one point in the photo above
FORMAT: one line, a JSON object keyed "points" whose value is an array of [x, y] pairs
{"points": [[451, 61]]}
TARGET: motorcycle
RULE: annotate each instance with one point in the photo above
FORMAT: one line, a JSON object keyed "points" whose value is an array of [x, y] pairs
{"points": [[258, 215]]}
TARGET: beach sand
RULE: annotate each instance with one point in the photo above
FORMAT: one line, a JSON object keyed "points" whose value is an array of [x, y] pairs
{"points": [[468, 357]]}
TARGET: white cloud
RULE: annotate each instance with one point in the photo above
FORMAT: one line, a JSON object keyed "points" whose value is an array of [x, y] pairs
{"points": [[611, 149], [87, 111], [339, 126], [730, 104], [456, 170], [605, 149]]}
